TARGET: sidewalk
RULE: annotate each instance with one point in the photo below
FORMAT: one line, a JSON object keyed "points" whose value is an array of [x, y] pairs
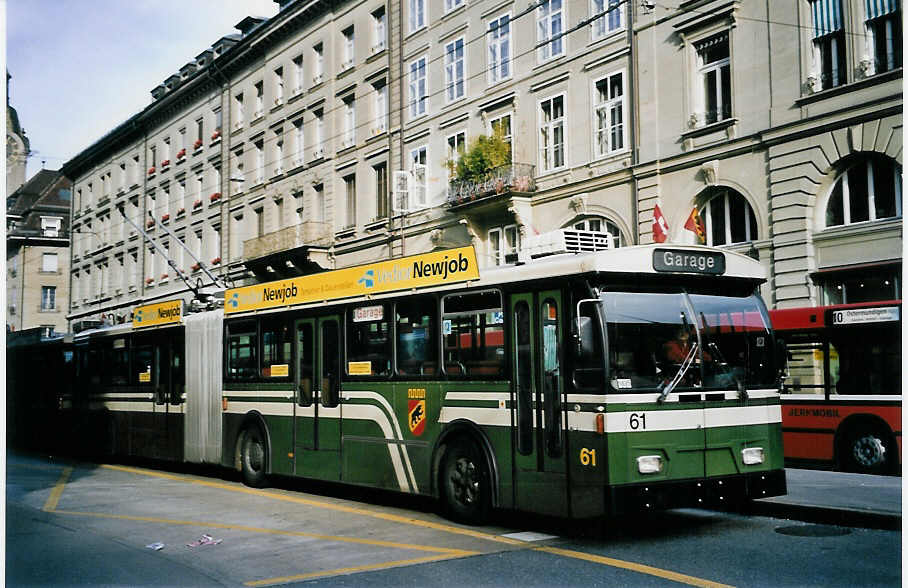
{"points": [[836, 498]]}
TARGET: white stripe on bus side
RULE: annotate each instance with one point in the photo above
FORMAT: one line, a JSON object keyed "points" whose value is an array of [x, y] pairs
{"points": [[646, 398], [371, 412], [499, 396], [481, 416], [284, 409], [679, 420]]}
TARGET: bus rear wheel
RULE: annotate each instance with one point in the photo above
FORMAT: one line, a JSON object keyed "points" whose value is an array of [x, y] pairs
{"points": [[867, 450], [465, 483], [252, 457]]}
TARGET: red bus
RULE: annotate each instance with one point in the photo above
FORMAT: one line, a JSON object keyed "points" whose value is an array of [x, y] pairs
{"points": [[841, 399]]}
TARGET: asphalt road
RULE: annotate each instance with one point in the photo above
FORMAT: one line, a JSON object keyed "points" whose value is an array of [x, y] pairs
{"points": [[70, 524]]}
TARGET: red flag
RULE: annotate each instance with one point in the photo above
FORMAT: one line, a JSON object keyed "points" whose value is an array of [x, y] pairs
{"points": [[660, 227], [695, 224]]}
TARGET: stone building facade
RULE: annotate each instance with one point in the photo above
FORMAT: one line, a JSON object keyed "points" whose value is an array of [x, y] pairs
{"points": [[322, 137]]}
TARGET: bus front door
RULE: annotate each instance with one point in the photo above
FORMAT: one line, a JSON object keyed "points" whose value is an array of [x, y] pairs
{"points": [[540, 480], [317, 422]]}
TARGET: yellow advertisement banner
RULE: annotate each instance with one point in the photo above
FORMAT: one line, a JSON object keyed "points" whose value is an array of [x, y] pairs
{"points": [[428, 269], [162, 313]]}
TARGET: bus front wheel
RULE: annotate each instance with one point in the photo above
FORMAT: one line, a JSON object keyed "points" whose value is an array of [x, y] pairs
{"points": [[252, 457], [867, 450], [465, 483]]}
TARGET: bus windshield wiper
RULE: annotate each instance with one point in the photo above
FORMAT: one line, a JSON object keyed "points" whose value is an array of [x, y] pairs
{"points": [[685, 365], [720, 360]]}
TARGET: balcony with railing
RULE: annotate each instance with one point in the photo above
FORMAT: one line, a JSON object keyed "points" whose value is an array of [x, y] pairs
{"points": [[499, 183], [307, 234]]}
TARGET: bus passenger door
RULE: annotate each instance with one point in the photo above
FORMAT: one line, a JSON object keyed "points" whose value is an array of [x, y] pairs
{"points": [[537, 401], [317, 384]]}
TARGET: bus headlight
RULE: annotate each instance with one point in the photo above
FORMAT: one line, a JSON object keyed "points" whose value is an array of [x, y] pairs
{"points": [[752, 455], [649, 464]]}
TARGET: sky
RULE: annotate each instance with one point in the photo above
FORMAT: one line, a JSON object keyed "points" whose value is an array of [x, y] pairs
{"points": [[81, 67]]}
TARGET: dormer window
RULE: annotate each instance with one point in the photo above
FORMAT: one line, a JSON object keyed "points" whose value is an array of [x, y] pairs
{"points": [[50, 226]]}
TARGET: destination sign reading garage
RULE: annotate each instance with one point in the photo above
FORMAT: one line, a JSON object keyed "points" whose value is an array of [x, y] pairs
{"points": [[687, 261]]}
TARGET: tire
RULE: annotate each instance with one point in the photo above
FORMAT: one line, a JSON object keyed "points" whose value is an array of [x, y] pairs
{"points": [[253, 457], [465, 483], [867, 450]]}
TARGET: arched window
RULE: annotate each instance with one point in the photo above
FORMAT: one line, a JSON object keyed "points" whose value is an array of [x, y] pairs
{"points": [[727, 216], [600, 224], [869, 188]]}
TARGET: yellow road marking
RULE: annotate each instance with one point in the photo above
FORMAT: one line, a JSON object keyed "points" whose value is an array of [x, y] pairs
{"points": [[357, 540], [325, 505], [54, 498], [634, 567], [608, 561], [350, 570]]}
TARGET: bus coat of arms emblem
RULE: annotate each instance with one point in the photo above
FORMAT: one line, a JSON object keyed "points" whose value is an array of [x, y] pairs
{"points": [[416, 416]]}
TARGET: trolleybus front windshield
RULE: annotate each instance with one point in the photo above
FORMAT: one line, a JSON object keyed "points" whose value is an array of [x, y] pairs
{"points": [[678, 341]]}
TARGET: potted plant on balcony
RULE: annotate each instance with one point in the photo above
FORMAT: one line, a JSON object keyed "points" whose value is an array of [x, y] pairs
{"points": [[197, 144], [181, 153], [150, 223], [165, 218], [181, 211], [151, 170], [216, 261], [215, 197], [473, 167], [216, 134], [195, 267], [197, 204], [149, 281], [165, 163]]}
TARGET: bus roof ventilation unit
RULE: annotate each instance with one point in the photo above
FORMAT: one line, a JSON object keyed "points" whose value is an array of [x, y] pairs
{"points": [[566, 241]]}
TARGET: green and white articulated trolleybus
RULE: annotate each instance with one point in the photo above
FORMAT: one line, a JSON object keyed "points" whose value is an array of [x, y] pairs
{"points": [[575, 385]]}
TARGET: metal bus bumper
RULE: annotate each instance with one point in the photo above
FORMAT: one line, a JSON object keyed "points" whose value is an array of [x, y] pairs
{"points": [[718, 492]]}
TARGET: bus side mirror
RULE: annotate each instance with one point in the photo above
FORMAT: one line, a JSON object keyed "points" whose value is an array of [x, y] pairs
{"points": [[583, 338], [782, 360]]}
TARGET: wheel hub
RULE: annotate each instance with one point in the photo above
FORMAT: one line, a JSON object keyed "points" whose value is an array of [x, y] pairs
{"points": [[465, 481], [869, 451]]}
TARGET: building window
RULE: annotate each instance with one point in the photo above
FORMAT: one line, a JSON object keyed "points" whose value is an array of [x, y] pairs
{"points": [[504, 243], [319, 71], [278, 151], [457, 144], [714, 62], [551, 133], [727, 216], [319, 133], [549, 29], [380, 114], [298, 74], [349, 48], [600, 225], [501, 127], [608, 17], [299, 142], [48, 297], [609, 130], [51, 225], [321, 207], [240, 113], [868, 189], [417, 14], [259, 162], [381, 190], [452, 4], [259, 222], [350, 201], [49, 262], [499, 42], [278, 86], [418, 89], [418, 159], [378, 30], [259, 99], [349, 122], [884, 28], [828, 42], [454, 70]]}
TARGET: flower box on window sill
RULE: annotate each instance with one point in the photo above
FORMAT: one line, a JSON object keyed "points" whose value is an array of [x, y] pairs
{"points": [[165, 218], [216, 135], [149, 281], [195, 267], [197, 204], [151, 171], [376, 131], [164, 276], [165, 163], [216, 261], [181, 212], [181, 154], [215, 197], [149, 224], [197, 145], [278, 101], [316, 80]]}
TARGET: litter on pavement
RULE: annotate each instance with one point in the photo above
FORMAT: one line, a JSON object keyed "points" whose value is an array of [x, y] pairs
{"points": [[205, 539]]}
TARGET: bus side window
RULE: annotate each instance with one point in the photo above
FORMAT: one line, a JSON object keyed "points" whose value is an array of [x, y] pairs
{"points": [[473, 334], [242, 344], [417, 342]]}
